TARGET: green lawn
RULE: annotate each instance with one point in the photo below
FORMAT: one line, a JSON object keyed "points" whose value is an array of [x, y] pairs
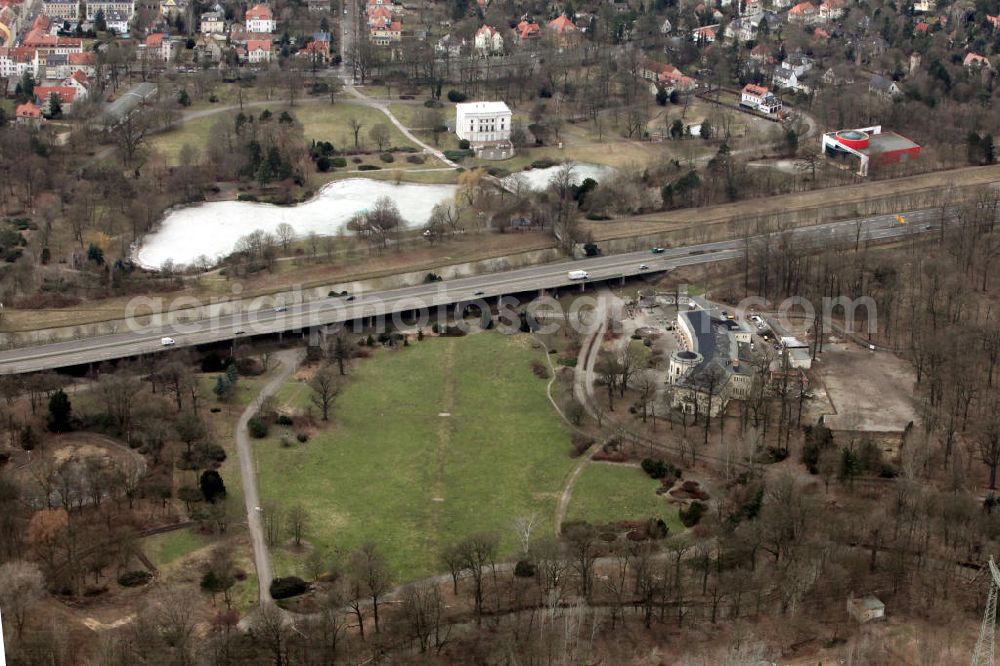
{"points": [[331, 122], [393, 470], [607, 493], [163, 549], [194, 133]]}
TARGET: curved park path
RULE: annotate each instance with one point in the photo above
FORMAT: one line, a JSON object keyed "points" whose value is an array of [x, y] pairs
{"points": [[289, 360], [583, 391]]}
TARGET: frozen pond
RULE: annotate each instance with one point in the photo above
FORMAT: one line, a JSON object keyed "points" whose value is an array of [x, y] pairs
{"points": [[539, 179], [212, 229]]}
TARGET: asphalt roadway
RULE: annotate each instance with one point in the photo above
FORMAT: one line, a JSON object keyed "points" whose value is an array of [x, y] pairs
{"points": [[434, 297]]}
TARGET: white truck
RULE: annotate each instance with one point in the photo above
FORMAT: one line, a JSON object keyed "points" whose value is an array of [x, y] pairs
{"points": [[578, 275]]}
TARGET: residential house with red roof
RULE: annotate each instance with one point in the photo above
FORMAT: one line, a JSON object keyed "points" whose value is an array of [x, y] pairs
{"points": [[831, 9], [387, 34], [66, 95], [759, 98], [804, 12], [488, 41], [673, 78], [317, 49], [526, 30], [562, 30], [706, 34], [258, 51], [259, 18], [80, 82], [976, 61], [15, 61], [28, 114]]}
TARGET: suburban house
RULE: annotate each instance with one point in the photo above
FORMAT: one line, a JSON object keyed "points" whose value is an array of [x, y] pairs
{"points": [[28, 114], [787, 78], [527, 29], [486, 126], [488, 41], [673, 78], [258, 51], [562, 30], [804, 12], [759, 98], [883, 87], [66, 95], [976, 61], [797, 63], [924, 6], [378, 15], [831, 9], [483, 122], [865, 609], [839, 75], [171, 8], [213, 23], [317, 50], [760, 53], [450, 45], [384, 35], [79, 81], [706, 34], [260, 19]]}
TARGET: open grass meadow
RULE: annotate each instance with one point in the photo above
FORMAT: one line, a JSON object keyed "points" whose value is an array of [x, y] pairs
{"points": [[169, 547], [429, 443], [606, 493]]}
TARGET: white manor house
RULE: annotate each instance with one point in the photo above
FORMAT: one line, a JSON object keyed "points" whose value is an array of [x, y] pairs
{"points": [[486, 126]]}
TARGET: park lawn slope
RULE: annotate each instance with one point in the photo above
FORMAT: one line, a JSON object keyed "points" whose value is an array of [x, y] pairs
{"points": [[431, 442], [607, 493]]}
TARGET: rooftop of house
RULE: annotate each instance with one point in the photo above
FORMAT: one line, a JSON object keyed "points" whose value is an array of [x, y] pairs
{"points": [[753, 89], [491, 108], [261, 12], [28, 110], [879, 82], [562, 24], [868, 602], [802, 8], [975, 59], [259, 44], [526, 29]]}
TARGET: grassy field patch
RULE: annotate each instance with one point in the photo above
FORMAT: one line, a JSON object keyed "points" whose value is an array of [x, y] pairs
{"points": [[164, 549], [431, 443], [608, 493]]}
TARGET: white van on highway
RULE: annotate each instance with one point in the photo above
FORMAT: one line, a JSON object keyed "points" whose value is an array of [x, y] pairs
{"points": [[578, 275], [168, 342]]}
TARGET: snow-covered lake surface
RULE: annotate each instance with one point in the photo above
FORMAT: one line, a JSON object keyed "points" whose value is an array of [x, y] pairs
{"points": [[539, 179], [212, 229]]}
